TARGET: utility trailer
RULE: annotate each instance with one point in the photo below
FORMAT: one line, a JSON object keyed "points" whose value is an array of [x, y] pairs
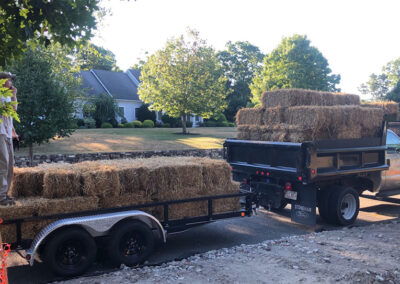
{"points": [[330, 174], [69, 244]]}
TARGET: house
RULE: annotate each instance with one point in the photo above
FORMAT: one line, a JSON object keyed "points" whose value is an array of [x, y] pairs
{"points": [[123, 86]]}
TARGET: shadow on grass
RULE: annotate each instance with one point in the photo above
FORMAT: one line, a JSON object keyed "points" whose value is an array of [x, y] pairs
{"points": [[186, 134]]}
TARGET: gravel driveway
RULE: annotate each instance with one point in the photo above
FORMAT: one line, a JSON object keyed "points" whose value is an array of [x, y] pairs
{"points": [[368, 254]]}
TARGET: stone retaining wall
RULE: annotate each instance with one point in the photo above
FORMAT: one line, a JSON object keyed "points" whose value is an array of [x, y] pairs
{"points": [[23, 161]]}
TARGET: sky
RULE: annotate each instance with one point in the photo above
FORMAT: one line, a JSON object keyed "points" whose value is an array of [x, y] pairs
{"points": [[357, 37]]}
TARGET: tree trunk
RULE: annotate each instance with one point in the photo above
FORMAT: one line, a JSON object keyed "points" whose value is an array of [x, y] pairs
{"points": [[184, 124], [31, 155]]}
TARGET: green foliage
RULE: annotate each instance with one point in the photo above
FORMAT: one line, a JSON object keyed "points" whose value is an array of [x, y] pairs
{"points": [[166, 125], [241, 60], [123, 120], [90, 122], [7, 108], [106, 125], [294, 64], [137, 124], [102, 108], [129, 125], [148, 124], [379, 85], [143, 113], [394, 94], [80, 122], [47, 91], [90, 56], [172, 121], [217, 121], [184, 78], [24, 21], [120, 125]]}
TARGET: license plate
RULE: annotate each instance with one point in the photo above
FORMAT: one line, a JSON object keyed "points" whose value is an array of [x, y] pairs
{"points": [[291, 195]]}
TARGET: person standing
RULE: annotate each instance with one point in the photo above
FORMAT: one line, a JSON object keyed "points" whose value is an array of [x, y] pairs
{"points": [[7, 133]]}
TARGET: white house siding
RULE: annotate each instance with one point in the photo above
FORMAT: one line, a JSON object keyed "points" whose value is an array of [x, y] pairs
{"points": [[129, 108]]}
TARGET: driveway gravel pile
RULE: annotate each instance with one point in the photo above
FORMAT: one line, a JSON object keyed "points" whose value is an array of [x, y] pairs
{"points": [[367, 254]]}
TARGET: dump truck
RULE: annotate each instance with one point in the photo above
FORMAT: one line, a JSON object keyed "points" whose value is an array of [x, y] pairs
{"points": [[328, 174]]}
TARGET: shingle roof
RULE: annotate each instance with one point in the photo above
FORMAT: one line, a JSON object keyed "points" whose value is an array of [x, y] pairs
{"points": [[118, 84]]}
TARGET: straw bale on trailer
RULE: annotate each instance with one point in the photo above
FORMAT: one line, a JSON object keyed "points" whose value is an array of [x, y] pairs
{"points": [[300, 97], [260, 116], [389, 107], [60, 183], [28, 207], [102, 182], [27, 182]]}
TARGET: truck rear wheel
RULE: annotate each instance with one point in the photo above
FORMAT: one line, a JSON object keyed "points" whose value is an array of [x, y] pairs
{"points": [[70, 252], [131, 243], [344, 205]]}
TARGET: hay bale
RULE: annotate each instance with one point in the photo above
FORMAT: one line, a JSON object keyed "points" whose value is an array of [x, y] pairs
{"points": [[59, 183], [102, 182], [300, 97], [27, 182], [389, 107], [250, 116]]}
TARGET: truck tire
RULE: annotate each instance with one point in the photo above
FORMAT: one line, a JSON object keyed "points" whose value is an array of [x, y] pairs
{"points": [[131, 243], [344, 205], [323, 204], [70, 252]]}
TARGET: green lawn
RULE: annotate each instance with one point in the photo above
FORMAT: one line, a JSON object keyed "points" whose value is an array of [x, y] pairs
{"points": [[134, 139]]}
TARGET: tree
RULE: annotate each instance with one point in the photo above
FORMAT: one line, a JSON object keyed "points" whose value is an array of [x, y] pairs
{"points": [[184, 78], [294, 64], [63, 21], [103, 108], [47, 91], [90, 56], [240, 61], [394, 94], [379, 85]]}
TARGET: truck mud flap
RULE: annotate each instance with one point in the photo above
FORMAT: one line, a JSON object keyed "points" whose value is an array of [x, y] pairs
{"points": [[304, 208]]}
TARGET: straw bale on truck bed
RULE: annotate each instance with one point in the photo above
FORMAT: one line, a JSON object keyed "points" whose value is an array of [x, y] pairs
{"points": [[308, 123], [389, 107], [62, 188], [300, 97]]}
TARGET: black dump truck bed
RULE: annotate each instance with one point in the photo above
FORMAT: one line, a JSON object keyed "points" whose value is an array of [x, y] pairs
{"points": [[305, 173]]}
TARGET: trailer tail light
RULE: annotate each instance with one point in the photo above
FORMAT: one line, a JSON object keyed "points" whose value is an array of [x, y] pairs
{"points": [[267, 174], [313, 171], [242, 214], [244, 181], [257, 172], [300, 178], [262, 173], [28, 257], [288, 186]]}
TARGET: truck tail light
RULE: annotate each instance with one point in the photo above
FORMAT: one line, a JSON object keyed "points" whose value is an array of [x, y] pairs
{"points": [[288, 186]]}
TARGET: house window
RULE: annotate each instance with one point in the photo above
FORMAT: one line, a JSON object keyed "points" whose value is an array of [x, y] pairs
{"points": [[121, 111], [197, 118]]}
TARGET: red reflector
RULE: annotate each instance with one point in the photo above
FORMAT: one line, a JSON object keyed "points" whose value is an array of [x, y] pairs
{"points": [[245, 181], [262, 173], [300, 178], [313, 171], [267, 174], [28, 257], [288, 186]]}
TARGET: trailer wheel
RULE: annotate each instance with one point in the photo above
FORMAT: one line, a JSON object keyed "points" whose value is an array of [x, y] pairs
{"points": [[131, 243], [344, 205], [70, 252]]}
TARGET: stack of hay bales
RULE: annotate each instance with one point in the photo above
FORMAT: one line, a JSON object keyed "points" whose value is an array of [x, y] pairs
{"points": [[390, 108], [64, 188], [295, 115]]}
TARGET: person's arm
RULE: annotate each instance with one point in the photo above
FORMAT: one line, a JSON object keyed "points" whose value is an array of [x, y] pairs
{"points": [[14, 134]]}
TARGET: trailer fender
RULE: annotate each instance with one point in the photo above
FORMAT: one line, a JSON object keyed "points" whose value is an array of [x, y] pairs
{"points": [[96, 226]]}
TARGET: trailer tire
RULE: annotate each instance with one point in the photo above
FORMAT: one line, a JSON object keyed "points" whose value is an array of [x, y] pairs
{"points": [[131, 243], [344, 205], [70, 252]]}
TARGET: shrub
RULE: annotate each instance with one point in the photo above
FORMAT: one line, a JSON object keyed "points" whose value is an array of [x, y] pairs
{"points": [[113, 122], [166, 125], [143, 113], [137, 124], [172, 121], [231, 124], [210, 123], [123, 120], [80, 122], [148, 124], [90, 122], [188, 123], [158, 124], [129, 125], [106, 125], [74, 124], [120, 125]]}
